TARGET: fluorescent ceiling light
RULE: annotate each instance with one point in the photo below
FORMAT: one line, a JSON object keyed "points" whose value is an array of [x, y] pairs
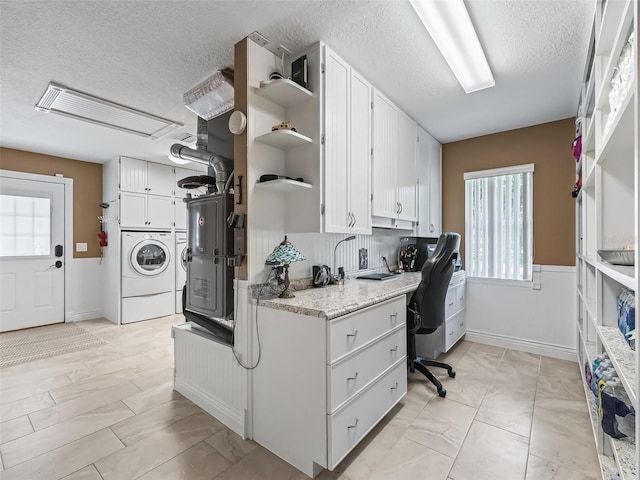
{"points": [[448, 23], [73, 104]]}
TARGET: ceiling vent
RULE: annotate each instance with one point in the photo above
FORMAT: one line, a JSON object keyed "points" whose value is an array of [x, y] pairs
{"points": [[185, 138], [70, 103]]}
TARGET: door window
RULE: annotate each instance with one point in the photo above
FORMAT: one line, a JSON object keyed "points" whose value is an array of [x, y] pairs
{"points": [[25, 226]]}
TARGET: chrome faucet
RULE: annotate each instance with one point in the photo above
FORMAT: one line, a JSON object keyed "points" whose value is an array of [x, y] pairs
{"points": [[339, 277]]}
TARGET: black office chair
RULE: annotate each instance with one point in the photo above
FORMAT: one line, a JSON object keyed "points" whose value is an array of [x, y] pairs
{"points": [[426, 309]]}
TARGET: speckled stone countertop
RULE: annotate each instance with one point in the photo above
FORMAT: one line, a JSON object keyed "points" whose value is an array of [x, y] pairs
{"points": [[335, 300]]}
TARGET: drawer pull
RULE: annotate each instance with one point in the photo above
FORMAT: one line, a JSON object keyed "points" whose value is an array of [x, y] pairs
{"points": [[355, 332], [354, 425], [394, 349], [451, 304], [451, 332], [396, 387], [355, 375], [462, 324], [394, 316]]}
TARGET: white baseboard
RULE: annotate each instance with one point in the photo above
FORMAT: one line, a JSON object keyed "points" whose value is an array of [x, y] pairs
{"points": [[546, 349], [80, 316], [231, 418]]}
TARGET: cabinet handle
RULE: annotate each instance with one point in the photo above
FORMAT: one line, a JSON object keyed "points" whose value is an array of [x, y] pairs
{"points": [[394, 316], [431, 227], [355, 375], [394, 349], [355, 332], [451, 304], [451, 332], [354, 220], [397, 207], [394, 388], [349, 219], [400, 208], [354, 425], [462, 324]]}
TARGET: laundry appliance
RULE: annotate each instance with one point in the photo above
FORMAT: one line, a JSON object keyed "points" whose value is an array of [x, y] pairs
{"points": [[180, 267], [148, 275]]}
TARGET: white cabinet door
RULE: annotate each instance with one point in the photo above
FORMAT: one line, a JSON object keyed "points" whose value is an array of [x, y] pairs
{"points": [[160, 179], [180, 214], [406, 167], [360, 158], [133, 175], [429, 175], [159, 212], [385, 125], [133, 210], [336, 146]]}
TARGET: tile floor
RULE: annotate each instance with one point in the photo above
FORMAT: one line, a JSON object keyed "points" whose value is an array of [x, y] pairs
{"points": [[111, 413]]}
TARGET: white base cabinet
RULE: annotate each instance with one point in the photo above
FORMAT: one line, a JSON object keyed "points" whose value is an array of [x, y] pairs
{"points": [[455, 325], [322, 385]]}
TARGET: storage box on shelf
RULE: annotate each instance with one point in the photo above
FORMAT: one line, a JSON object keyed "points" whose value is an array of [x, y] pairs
{"points": [[607, 210]]}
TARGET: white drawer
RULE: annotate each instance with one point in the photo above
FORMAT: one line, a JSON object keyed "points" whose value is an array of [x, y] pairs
{"points": [[352, 331], [455, 329], [450, 303], [358, 417], [461, 301], [351, 375], [456, 280]]}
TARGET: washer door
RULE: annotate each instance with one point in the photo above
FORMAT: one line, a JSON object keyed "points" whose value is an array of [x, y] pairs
{"points": [[150, 257], [183, 259]]}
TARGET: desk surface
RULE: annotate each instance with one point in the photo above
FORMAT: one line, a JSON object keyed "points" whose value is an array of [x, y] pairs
{"points": [[337, 300]]}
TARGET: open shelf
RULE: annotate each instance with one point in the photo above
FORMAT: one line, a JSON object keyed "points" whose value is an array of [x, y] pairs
{"points": [[622, 357], [624, 453], [284, 139], [618, 141], [284, 92], [623, 274], [284, 185]]}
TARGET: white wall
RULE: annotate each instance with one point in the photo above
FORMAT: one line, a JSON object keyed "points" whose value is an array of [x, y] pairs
{"points": [[517, 316], [84, 289]]}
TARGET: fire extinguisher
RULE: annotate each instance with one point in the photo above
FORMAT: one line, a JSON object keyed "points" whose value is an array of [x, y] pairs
{"points": [[103, 238]]}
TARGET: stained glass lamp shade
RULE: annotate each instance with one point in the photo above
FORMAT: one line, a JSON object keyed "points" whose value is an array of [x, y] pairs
{"points": [[284, 254]]}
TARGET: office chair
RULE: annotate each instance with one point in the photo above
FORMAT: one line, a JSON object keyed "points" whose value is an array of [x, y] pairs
{"points": [[426, 308]]}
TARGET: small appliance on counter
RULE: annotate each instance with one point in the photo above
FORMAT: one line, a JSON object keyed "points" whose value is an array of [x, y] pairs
{"points": [[321, 275], [408, 257]]}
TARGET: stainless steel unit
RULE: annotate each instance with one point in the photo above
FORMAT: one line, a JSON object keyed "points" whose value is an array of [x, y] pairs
{"points": [[209, 288]]}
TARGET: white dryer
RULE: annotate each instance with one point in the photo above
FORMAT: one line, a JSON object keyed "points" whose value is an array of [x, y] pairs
{"points": [[180, 267], [148, 278]]}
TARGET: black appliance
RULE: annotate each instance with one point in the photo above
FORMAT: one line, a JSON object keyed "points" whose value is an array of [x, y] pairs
{"points": [[208, 294], [321, 275], [299, 71]]}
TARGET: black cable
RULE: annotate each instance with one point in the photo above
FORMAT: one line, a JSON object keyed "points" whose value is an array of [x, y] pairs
{"points": [[257, 329]]}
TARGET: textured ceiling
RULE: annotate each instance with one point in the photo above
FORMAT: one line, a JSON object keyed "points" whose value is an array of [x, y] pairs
{"points": [[145, 54]]}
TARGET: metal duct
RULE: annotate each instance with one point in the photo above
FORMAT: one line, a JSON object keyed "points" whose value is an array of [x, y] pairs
{"points": [[222, 166], [203, 134]]}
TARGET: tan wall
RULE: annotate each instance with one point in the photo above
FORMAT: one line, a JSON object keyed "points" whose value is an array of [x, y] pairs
{"points": [[548, 146], [87, 190]]}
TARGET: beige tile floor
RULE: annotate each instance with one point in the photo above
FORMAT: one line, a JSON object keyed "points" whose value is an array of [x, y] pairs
{"points": [[111, 413]]}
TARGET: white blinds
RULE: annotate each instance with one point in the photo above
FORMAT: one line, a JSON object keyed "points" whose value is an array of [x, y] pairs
{"points": [[499, 213]]}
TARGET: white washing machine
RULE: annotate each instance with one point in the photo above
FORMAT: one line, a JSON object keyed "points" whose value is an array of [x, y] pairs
{"points": [[148, 276], [180, 267]]}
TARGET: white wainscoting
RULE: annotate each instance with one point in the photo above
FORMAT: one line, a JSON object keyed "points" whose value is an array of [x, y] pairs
{"points": [[84, 289], [519, 317]]}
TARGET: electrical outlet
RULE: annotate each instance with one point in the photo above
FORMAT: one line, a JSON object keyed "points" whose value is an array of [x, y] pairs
{"points": [[363, 259]]}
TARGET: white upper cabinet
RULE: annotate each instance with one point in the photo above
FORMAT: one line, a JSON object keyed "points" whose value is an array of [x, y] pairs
{"points": [[385, 129], [394, 164], [140, 176], [139, 210], [347, 130], [430, 185]]}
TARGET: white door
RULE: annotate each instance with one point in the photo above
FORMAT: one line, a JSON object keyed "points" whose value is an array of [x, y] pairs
{"points": [[406, 167], [360, 162], [159, 212], [385, 125], [133, 175], [160, 179], [133, 210], [31, 253]]}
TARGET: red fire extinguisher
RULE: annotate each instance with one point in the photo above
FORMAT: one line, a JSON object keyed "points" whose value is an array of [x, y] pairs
{"points": [[103, 238]]}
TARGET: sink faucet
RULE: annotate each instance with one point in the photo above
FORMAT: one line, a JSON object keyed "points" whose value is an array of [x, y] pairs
{"points": [[339, 277]]}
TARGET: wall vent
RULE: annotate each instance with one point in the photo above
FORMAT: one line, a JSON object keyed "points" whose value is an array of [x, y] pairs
{"points": [[78, 105], [185, 138]]}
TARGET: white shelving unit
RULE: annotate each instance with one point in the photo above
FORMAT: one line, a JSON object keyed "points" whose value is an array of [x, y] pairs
{"points": [[284, 185], [608, 217], [283, 92], [284, 139]]}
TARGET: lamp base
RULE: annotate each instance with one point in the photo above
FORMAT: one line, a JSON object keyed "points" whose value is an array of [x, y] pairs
{"points": [[286, 293]]}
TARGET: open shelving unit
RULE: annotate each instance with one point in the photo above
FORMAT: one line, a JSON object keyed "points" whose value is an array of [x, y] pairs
{"points": [[608, 217]]}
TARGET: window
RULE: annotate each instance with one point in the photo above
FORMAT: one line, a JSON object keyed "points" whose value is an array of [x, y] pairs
{"points": [[25, 226], [499, 222]]}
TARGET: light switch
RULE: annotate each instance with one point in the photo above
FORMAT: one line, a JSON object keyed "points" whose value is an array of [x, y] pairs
{"points": [[81, 247]]}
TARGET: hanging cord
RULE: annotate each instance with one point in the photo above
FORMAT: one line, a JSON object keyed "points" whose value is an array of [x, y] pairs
{"points": [[233, 349]]}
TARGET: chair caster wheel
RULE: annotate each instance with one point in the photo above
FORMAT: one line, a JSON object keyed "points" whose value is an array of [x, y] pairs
{"points": [[442, 392], [452, 374]]}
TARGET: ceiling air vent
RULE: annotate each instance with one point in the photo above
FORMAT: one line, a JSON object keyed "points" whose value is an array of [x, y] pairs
{"points": [[73, 104], [185, 138]]}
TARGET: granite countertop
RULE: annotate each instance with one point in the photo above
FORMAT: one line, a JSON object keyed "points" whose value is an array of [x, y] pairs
{"points": [[335, 300]]}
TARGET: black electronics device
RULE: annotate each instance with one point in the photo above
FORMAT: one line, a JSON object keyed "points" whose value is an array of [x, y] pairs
{"points": [[378, 276], [299, 71]]}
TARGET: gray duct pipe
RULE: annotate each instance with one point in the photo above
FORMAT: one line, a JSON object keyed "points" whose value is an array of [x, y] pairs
{"points": [[221, 166], [203, 134]]}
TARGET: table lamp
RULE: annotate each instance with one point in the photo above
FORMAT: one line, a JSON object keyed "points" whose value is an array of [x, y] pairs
{"points": [[284, 254]]}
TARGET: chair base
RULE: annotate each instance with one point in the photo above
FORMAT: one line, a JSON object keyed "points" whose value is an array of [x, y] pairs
{"points": [[421, 364]]}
